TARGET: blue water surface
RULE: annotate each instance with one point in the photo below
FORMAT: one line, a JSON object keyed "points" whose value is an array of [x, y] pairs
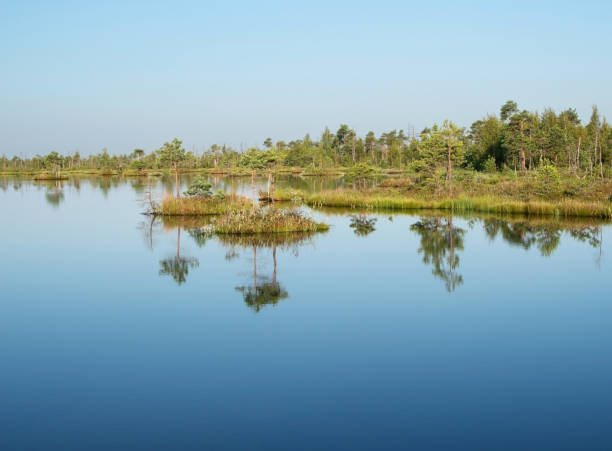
{"points": [[383, 339]]}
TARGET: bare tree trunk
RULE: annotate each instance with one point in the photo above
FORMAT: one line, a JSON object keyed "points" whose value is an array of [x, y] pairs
{"points": [[274, 258], [255, 267], [452, 247], [253, 186], [178, 245], [522, 152], [577, 165], [449, 167], [600, 162], [176, 178], [271, 186]]}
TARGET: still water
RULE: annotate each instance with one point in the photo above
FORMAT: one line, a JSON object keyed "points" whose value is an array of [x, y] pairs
{"points": [[389, 331]]}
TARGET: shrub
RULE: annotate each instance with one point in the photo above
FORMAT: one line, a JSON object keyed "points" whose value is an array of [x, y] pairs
{"points": [[548, 180], [137, 164], [199, 187], [417, 166], [548, 173], [219, 195], [489, 166]]}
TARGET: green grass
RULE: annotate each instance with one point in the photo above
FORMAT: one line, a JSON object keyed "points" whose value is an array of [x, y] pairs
{"points": [[376, 199]]}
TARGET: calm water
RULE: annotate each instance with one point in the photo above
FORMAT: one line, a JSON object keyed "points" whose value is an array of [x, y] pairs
{"points": [[390, 331]]}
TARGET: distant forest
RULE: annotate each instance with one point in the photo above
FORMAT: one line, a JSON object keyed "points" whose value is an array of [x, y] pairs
{"points": [[516, 140]]}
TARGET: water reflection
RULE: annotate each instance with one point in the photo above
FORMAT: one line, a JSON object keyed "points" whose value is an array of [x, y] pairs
{"points": [[54, 194], [260, 289], [544, 235], [177, 266], [440, 246], [441, 241], [264, 290], [362, 225]]}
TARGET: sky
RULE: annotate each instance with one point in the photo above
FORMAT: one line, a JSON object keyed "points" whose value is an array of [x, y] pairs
{"points": [[128, 74]]}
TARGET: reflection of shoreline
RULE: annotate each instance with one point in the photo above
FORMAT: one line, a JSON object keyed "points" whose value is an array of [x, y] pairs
{"points": [[567, 221], [441, 241]]}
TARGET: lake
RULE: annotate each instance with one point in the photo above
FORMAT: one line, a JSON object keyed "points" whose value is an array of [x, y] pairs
{"points": [[389, 331]]}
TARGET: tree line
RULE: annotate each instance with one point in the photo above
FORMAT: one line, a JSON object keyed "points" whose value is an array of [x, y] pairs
{"points": [[515, 139]]}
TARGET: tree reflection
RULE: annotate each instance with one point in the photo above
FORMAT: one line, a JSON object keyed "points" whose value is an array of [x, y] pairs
{"points": [[362, 225], [265, 289], [54, 194], [177, 267], [262, 289], [440, 242], [545, 235]]}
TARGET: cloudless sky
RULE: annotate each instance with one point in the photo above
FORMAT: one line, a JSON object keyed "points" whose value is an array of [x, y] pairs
{"points": [[127, 74]]}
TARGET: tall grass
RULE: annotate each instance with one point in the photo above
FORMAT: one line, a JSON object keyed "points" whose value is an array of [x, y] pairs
{"points": [[488, 204], [200, 205]]}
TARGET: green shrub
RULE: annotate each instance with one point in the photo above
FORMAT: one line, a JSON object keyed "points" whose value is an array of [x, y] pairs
{"points": [[417, 166], [219, 195], [137, 164], [199, 187], [489, 166], [548, 180]]}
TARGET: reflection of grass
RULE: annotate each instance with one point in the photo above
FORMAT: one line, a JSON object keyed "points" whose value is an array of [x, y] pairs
{"points": [[267, 240], [200, 205], [372, 199]]}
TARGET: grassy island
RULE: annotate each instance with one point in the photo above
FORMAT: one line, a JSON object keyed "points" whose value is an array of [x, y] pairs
{"points": [[201, 205], [238, 217], [41, 176], [235, 214], [266, 220]]}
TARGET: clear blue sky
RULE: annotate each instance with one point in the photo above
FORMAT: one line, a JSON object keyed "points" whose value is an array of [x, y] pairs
{"points": [[122, 75]]}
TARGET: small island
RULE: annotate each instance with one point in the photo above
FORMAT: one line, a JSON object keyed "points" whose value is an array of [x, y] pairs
{"points": [[234, 214]]}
